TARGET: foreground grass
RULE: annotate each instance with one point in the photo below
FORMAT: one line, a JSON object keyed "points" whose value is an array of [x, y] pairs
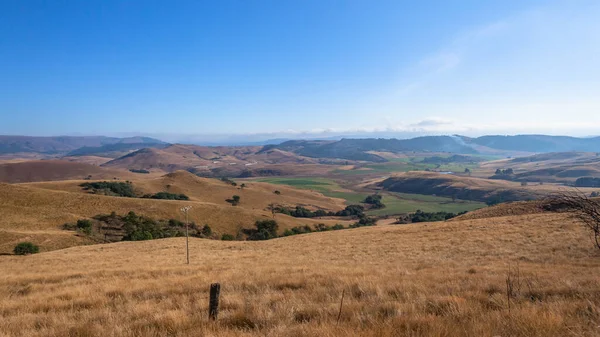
{"points": [[442, 279]]}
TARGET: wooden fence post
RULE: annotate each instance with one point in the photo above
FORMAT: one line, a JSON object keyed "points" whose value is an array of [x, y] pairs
{"points": [[341, 304], [213, 304]]}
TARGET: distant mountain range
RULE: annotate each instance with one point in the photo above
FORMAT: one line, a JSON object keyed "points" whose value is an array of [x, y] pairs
{"points": [[537, 143], [69, 145], [369, 149]]}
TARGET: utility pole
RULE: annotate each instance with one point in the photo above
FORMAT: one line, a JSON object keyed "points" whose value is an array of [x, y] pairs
{"points": [[187, 243]]}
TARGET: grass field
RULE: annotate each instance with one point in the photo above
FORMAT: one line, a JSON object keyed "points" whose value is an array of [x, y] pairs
{"points": [[403, 165], [431, 279], [398, 203]]}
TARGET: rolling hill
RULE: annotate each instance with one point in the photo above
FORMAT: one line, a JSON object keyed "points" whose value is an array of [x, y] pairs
{"points": [[563, 167], [50, 170], [219, 161], [467, 188], [358, 149], [36, 211]]}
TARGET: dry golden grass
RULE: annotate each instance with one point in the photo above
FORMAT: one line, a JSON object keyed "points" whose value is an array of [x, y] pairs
{"points": [[433, 279], [35, 211], [48, 170], [92, 160]]}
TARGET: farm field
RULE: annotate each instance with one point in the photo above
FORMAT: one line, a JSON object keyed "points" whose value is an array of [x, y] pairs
{"points": [[396, 203], [429, 279]]}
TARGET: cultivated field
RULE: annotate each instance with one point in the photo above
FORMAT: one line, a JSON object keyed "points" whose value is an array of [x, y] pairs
{"points": [[396, 203], [431, 279]]}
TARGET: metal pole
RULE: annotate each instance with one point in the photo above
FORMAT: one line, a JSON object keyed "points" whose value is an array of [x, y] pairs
{"points": [[187, 243], [187, 234]]}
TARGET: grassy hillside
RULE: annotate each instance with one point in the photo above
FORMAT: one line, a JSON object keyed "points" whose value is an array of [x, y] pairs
{"points": [[218, 161], [45, 170], [564, 167], [431, 279], [36, 211], [467, 188]]}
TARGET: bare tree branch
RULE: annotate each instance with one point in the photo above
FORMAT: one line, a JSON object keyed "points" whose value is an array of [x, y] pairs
{"points": [[586, 210]]}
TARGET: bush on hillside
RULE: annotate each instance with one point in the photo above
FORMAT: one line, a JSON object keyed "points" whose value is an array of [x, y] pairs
{"points": [[375, 201], [235, 200], [206, 231], [139, 171], [421, 216], [364, 221], [227, 237], [352, 210], [84, 226], [120, 189], [265, 230], [133, 227], [26, 248], [167, 196]]}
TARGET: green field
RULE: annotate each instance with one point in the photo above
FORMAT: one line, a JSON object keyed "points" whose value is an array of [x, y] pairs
{"points": [[396, 203], [403, 166]]}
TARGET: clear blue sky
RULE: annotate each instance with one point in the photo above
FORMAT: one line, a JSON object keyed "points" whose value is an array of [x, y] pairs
{"points": [[244, 67]]}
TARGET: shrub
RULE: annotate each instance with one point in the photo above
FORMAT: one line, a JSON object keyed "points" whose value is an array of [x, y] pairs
{"points": [[421, 216], [322, 227], [235, 200], [206, 231], [352, 210], [337, 227], [139, 171], [364, 221], [375, 201], [265, 230], [227, 237], [277, 192], [26, 248], [84, 226], [167, 196], [120, 189]]}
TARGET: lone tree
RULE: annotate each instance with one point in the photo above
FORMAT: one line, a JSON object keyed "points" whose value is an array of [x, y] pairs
{"points": [[581, 207]]}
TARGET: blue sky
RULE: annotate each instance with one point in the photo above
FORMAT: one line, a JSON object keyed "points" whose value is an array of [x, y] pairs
{"points": [[185, 68]]}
